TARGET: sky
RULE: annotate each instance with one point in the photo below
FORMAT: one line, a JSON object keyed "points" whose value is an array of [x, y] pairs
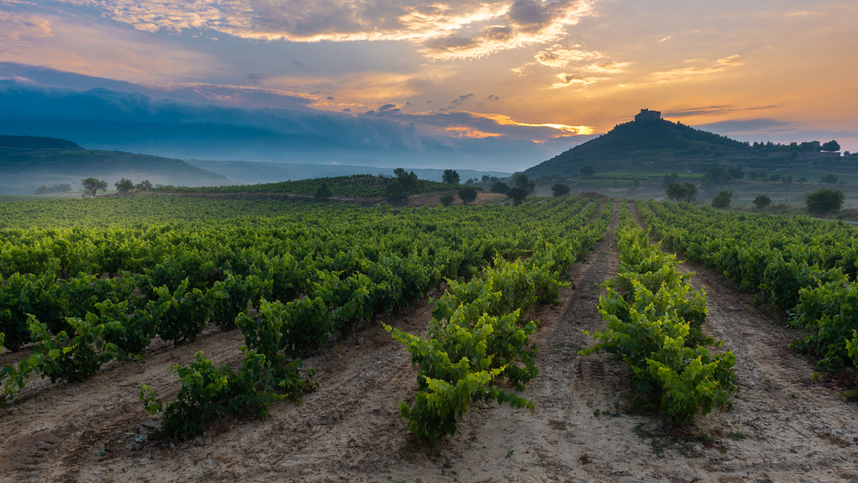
{"points": [[500, 84]]}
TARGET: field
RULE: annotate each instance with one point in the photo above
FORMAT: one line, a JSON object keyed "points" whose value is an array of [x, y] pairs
{"points": [[352, 292]]}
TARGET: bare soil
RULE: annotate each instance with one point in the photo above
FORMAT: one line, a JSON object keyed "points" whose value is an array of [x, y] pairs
{"points": [[785, 427]]}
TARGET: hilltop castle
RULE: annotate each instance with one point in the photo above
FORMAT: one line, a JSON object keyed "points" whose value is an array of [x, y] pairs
{"points": [[647, 115]]}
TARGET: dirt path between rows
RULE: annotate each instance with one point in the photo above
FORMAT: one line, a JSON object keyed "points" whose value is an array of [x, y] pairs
{"points": [[350, 428]]}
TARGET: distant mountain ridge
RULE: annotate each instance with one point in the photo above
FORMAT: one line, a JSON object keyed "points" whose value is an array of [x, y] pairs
{"points": [[36, 142], [28, 162]]}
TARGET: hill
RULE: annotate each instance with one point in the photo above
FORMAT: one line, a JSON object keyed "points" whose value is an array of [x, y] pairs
{"points": [[357, 185], [659, 146], [28, 162]]}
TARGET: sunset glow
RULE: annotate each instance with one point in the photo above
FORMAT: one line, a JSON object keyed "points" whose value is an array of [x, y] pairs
{"points": [[550, 72]]}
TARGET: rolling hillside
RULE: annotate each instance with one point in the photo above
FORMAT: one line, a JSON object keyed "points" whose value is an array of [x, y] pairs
{"points": [[27, 162], [660, 146]]}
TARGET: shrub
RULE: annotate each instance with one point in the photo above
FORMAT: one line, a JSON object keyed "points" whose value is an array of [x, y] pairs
{"points": [[447, 199], [560, 189], [824, 201], [722, 199], [762, 201]]}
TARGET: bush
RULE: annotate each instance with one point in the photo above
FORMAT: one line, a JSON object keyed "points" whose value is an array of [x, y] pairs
{"points": [[828, 179], [517, 195], [448, 199], [762, 201], [500, 187], [824, 201], [722, 199], [124, 185], [560, 189], [467, 195], [323, 192]]}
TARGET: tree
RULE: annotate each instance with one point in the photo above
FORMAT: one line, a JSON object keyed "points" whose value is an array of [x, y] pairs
{"points": [[824, 201], [690, 192], [722, 199], [448, 199], [500, 187], [786, 179], [525, 183], [686, 192], [450, 176], [485, 179], [517, 194], [403, 185], [467, 195], [831, 146], [762, 201], [587, 170], [93, 186], [669, 178], [124, 185], [323, 192], [828, 179], [560, 189], [144, 185]]}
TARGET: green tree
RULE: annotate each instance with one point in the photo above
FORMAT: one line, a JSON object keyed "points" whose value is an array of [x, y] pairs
{"points": [[467, 195], [450, 176], [525, 183], [124, 185], [517, 195], [762, 201], [828, 179], [682, 192], [669, 178], [500, 187], [402, 186], [93, 186], [722, 199], [831, 146], [824, 201], [587, 170], [144, 185], [560, 189], [323, 192], [448, 199]]}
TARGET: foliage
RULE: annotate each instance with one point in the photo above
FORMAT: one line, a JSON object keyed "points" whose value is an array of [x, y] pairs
{"points": [[655, 326], [403, 185], [467, 195], [831, 146], [525, 183], [93, 186], [60, 188], [500, 187], [824, 201], [682, 192], [450, 176], [144, 185], [448, 199], [209, 393], [323, 192], [762, 201], [722, 199], [517, 195], [587, 170], [560, 189], [124, 185], [828, 179]]}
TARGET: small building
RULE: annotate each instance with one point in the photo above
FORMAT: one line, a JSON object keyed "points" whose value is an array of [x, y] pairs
{"points": [[647, 115]]}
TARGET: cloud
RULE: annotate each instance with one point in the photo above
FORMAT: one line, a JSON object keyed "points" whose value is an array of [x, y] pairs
{"points": [[18, 26], [459, 100], [444, 29], [558, 56], [688, 72], [567, 80], [712, 110], [608, 67]]}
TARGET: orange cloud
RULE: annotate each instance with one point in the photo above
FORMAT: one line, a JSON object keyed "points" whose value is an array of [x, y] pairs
{"points": [[467, 132], [508, 121]]}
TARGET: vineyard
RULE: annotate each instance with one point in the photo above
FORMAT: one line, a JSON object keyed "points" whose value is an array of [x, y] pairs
{"points": [[176, 338]]}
